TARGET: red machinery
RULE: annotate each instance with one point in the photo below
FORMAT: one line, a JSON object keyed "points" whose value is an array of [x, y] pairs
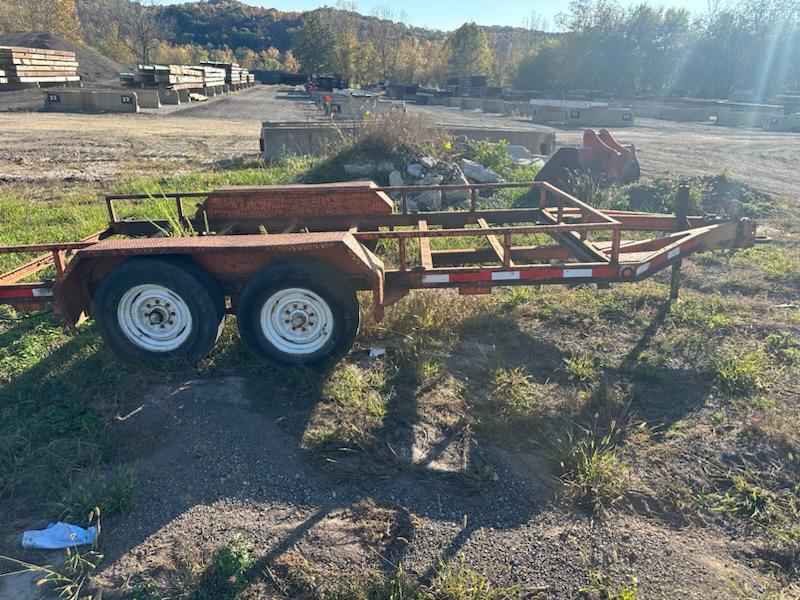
{"points": [[601, 157]]}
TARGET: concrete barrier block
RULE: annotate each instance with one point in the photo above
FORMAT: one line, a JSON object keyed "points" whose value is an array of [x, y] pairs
{"points": [[168, 97], [782, 123], [471, 103], [684, 114], [550, 114], [736, 118], [454, 101], [280, 139], [148, 98], [599, 116], [91, 101], [494, 105]]}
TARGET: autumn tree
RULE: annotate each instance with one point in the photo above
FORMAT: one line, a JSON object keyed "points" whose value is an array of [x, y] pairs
{"points": [[315, 44], [467, 51], [54, 16], [115, 46], [386, 39], [144, 27], [290, 63]]}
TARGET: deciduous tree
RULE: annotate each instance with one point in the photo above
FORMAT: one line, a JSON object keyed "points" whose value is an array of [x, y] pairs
{"points": [[467, 50]]}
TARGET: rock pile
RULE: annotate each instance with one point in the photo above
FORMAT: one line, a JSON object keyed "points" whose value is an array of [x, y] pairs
{"points": [[416, 169]]}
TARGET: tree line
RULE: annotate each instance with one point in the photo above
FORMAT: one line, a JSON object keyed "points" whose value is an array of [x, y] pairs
{"points": [[598, 45]]}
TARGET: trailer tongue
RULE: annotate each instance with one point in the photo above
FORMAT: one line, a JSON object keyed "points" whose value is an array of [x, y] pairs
{"points": [[288, 261]]}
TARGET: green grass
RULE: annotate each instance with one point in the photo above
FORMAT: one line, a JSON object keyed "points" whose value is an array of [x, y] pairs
{"points": [[775, 262], [609, 587], [708, 313], [590, 466], [453, 581], [741, 373], [114, 493], [581, 367], [514, 391], [353, 406]]}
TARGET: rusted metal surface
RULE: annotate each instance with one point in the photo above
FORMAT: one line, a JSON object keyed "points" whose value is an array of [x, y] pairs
{"points": [[294, 201], [230, 259], [57, 257]]}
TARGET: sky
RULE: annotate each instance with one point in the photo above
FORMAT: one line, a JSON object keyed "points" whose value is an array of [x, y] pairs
{"points": [[449, 14]]}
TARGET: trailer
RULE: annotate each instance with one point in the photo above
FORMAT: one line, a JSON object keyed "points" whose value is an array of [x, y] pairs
{"points": [[288, 261]]}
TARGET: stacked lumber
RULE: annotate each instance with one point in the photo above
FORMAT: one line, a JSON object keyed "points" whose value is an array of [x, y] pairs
{"points": [[212, 76], [37, 65], [234, 74], [3, 78], [178, 75]]}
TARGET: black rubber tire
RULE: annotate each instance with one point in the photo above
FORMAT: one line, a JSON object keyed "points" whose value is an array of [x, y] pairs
{"points": [[186, 278], [324, 281]]}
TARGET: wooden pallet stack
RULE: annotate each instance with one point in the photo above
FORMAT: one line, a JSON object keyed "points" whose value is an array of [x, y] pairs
{"points": [[37, 65]]}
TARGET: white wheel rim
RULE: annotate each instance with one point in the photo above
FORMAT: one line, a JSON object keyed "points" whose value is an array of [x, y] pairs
{"points": [[296, 321], [154, 318]]}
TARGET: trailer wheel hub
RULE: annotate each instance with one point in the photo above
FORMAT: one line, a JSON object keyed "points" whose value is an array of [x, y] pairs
{"points": [[154, 318], [297, 321]]}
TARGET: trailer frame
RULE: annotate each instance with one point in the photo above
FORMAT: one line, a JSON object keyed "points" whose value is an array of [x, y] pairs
{"points": [[588, 244]]}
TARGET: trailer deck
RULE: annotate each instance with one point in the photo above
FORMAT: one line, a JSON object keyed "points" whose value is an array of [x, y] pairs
{"points": [[349, 237]]}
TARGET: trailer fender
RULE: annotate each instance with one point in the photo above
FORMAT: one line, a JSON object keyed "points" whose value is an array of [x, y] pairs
{"points": [[230, 259]]}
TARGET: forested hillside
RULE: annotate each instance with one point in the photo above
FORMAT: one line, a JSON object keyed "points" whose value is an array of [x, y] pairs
{"points": [[598, 44]]}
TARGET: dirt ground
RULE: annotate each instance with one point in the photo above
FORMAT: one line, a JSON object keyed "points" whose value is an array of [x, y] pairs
{"points": [[70, 147]]}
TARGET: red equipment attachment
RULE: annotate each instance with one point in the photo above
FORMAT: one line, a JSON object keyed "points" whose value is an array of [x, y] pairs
{"points": [[601, 157]]}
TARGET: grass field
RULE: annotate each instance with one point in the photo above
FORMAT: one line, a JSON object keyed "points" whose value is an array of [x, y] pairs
{"points": [[686, 413]]}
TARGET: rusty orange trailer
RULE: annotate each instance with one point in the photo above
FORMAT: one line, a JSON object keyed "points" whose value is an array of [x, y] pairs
{"points": [[288, 261]]}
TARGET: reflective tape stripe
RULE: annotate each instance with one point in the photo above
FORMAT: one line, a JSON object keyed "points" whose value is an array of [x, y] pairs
{"points": [[577, 272], [642, 268], [15, 293], [505, 275], [437, 278], [521, 275], [674, 252]]}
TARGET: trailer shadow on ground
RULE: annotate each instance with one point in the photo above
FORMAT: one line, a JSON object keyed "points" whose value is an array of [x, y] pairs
{"points": [[224, 453]]}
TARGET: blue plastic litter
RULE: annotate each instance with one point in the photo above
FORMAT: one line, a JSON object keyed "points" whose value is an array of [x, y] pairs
{"points": [[58, 536]]}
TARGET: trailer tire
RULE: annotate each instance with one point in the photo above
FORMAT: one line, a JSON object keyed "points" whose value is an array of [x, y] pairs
{"points": [[187, 309], [298, 312]]}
